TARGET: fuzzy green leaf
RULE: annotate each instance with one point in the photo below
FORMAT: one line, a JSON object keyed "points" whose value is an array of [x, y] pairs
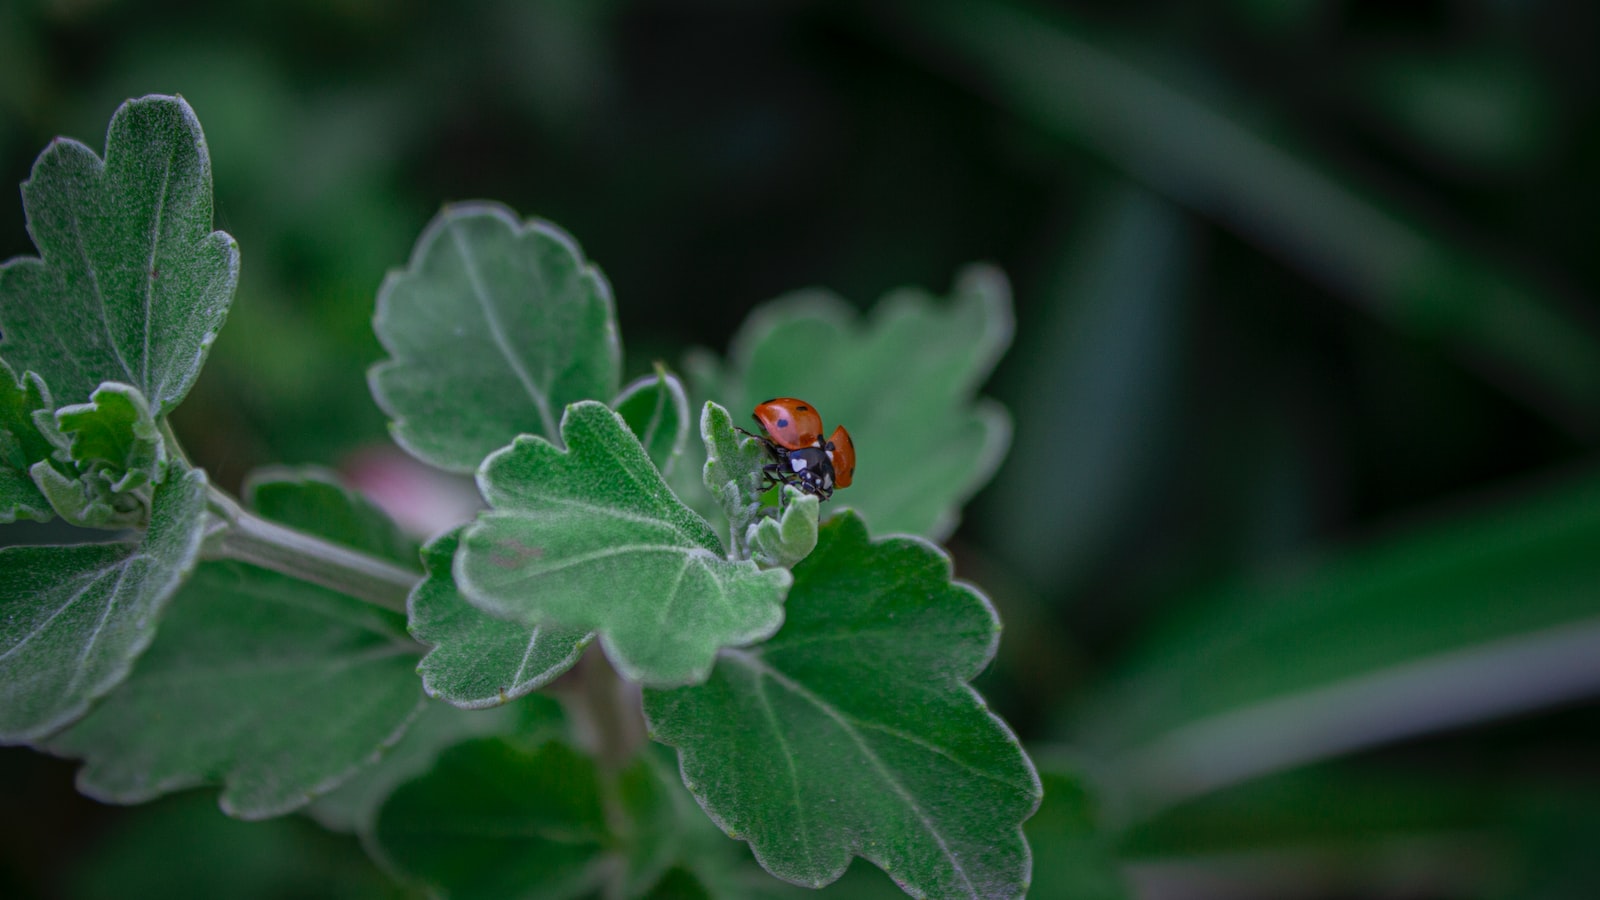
{"points": [[733, 468], [853, 731], [668, 842], [22, 445], [354, 806], [1073, 853], [656, 821], [491, 816], [902, 382], [76, 617], [131, 284], [313, 499], [478, 660], [657, 411], [115, 449], [114, 433], [495, 818], [274, 688], [135, 855], [494, 326], [592, 538], [789, 537], [678, 883]]}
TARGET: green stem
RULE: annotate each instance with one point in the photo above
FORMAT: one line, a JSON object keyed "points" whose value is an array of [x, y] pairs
{"points": [[249, 538], [616, 721], [174, 449]]}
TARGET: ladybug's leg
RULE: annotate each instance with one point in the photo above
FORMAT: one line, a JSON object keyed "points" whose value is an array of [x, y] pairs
{"points": [[771, 475]]}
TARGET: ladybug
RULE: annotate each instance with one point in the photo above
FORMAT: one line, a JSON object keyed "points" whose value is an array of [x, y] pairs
{"points": [[791, 424], [792, 435]]}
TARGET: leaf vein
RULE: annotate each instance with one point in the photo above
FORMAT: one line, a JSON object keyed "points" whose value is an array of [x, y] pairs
{"points": [[527, 655], [502, 341], [78, 668], [99, 296], [150, 268], [89, 578], [685, 539], [884, 774], [604, 553], [665, 609], [788, 758]]}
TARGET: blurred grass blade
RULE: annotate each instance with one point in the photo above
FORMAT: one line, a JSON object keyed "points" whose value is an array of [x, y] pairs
{"points": [[1492, 615], [1344, 804], [1430, 694], [1098, 375], [1203, 154]]}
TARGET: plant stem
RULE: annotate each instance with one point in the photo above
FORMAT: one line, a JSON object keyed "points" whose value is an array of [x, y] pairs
{"points": [[170, 438], [616, 722], [249, 538]]}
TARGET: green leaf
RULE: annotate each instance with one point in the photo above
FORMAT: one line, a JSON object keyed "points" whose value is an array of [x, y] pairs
{"points": [[354, 806], [853, 731], [114, 432], [1368, 645], [116, 450], [494, 326], [657, 411], [903, 384], [790, 536], [478, 660], [1072, 852], [313, 499], [592, 538], [131, 284], [678, 883], [77, 617], [667, 840], [133, 858], [22, 445], [733, 473], [495, 818], [274, 688]]}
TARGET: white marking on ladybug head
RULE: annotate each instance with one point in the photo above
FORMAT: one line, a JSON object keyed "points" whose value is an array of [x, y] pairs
{"points": [[797, 463]]}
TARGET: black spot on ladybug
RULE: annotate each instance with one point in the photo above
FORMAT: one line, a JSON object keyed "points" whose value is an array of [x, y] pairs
{"points": [[784, 423], [802, 407]]}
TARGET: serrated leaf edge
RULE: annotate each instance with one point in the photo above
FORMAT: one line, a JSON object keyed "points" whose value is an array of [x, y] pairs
{"points": [[118, 673], [676, 396], [963, 682], [432, 233], [191, 122]]}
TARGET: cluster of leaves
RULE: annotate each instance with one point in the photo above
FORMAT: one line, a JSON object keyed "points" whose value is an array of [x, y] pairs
{"points": [[813, 680]]}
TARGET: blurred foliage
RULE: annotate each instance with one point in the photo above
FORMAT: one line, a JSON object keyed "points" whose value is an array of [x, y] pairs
{"points": [[1286, 273]]}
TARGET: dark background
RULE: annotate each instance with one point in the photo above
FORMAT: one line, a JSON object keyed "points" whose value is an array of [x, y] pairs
{"points": [[1289, 277]]}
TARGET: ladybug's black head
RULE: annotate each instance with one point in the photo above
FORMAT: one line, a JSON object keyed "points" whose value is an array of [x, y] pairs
{"points": [[810, 470]]}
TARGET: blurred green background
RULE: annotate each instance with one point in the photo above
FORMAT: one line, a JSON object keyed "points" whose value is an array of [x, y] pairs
{"points": [[1298, 545]]}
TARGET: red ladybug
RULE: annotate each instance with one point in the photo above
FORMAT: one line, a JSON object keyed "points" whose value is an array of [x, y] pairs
{"points": [[793, 438], [791, 424]]}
